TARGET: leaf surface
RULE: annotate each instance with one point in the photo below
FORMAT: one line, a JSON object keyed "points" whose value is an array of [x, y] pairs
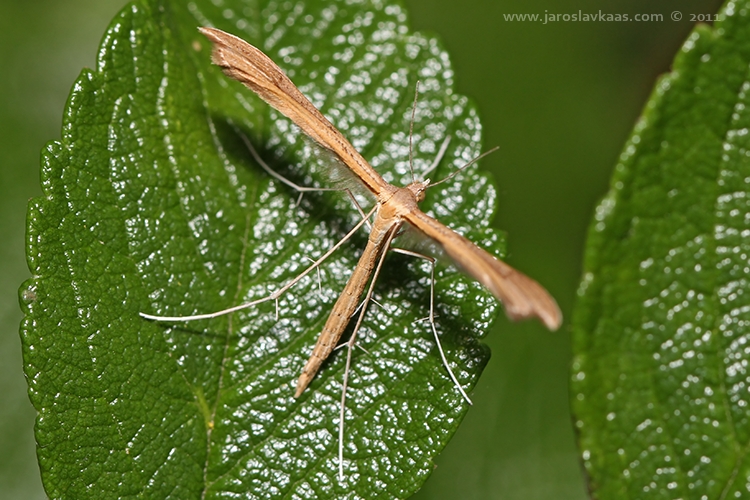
{"points": [[152, 203], [660, 377]]}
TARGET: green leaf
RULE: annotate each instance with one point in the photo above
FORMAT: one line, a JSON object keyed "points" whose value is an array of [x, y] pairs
{"points": [[153, 204], [660, 377]]}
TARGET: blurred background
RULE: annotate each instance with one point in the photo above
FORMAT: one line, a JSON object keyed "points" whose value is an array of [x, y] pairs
{"points": [[558, 98]]}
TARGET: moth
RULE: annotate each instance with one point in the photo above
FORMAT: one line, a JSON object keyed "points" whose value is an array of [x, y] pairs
{"points": [[395, 207]]}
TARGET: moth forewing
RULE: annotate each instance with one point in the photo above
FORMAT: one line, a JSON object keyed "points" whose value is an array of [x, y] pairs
{"points": [[521, 296], [248, 65]]}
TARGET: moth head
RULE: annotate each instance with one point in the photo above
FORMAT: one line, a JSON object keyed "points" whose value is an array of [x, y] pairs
{"points": [[418, 188]]}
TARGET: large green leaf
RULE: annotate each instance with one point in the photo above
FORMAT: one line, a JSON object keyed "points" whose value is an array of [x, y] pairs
{"points": [[153, 204], [660, 379]]}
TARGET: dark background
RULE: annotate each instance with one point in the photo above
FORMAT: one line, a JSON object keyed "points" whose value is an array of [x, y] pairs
{"points": [[559, 99]]}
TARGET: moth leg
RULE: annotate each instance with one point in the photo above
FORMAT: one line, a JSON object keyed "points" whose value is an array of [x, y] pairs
{"points": [[431, 317], [300, 189], [353, 341], [272, 296]]}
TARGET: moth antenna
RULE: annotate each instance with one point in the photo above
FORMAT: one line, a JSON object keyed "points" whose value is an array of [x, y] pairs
{"points": [[411, 132], [472, 162], [438, 157]]}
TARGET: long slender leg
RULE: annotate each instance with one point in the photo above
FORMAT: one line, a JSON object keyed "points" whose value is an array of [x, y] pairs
{"points": [[352, 342], [300, 189], [315, 265], [431, 318], [275, 295]]}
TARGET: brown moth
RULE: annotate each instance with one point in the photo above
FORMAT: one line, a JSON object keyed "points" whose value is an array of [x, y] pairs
{"points": [[521, 296]]}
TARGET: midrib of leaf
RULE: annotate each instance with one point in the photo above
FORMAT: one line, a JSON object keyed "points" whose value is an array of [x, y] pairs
{"points": [[225, 357]]}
